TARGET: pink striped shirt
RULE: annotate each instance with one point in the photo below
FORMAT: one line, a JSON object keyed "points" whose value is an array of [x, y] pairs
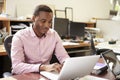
{"points": [[28, 51]]}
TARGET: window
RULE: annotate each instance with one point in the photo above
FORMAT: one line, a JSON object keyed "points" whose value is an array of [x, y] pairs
{"points": [[116, 4]]}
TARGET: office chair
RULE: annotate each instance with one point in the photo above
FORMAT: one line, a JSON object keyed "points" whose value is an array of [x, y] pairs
{"points": [[7, 45], [94, 51]]}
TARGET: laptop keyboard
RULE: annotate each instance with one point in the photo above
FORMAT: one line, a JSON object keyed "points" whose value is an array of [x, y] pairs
{"points": [[50, 75], [54, 76]]}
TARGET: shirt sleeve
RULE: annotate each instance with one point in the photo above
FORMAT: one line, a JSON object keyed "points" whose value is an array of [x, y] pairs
{"points": [[19, 65], [60, 51]]}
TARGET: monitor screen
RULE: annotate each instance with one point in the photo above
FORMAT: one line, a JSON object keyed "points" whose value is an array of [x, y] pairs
{"points": [[61, 26], [77, 29]]}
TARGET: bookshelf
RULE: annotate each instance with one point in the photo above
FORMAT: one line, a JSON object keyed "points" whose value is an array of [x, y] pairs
{"points": [[2, 6], [7, 23]]}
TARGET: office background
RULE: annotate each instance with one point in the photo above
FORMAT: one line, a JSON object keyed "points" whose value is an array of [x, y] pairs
{"points": [[83, 10]]}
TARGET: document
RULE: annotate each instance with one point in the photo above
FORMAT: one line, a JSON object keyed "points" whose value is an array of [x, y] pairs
{"points": [[8, 78], [89, 77], [70, 43]]}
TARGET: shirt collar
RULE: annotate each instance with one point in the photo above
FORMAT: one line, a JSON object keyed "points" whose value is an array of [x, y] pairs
{"points": [[33, 33]]}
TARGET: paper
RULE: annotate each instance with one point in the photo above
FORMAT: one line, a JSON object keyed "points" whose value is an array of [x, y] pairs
{"points": [[8, 78], [70, 43], [99, 65], [50, 75], [89, 77]]}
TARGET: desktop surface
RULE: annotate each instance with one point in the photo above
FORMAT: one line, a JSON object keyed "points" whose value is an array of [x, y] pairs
{"points": [[36, 76], [114, 47]]}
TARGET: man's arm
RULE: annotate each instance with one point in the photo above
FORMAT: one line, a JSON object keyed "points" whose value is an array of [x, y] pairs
{"points": [[19, 65], [60, 51]]}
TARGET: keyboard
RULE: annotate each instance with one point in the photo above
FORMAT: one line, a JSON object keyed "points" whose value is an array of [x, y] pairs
{"points": [[54, 76], [50, 75]]}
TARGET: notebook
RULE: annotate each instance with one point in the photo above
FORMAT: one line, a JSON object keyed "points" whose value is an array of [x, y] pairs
{"points": [[112, 62], [73, 67]]}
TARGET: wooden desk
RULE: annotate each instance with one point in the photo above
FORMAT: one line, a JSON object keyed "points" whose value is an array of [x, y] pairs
{"points": [[3, 51], [76, 46], [36, 76]]}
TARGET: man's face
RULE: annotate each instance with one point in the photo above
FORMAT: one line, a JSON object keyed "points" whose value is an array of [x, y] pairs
{"points": [[42, 23]]}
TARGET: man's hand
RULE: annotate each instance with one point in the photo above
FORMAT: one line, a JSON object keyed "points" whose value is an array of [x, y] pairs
{"points": [[51, 67]]}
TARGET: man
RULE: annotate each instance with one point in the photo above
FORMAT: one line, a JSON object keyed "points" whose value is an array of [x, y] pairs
{"points": [[33, 47]]}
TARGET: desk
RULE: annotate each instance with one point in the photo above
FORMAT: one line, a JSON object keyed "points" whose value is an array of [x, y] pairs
{"points": [[75, 45], [66, 46], [36, 76], [77, 49], [2, 50], [8, 22], [114, 47]]}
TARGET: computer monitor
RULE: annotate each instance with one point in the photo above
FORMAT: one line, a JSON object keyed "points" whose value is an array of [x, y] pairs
{"points": [[77, 29], [61, 26]]}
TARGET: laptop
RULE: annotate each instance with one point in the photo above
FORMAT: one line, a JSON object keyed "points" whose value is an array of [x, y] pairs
{"points": [[73, 68], [113, 63]]}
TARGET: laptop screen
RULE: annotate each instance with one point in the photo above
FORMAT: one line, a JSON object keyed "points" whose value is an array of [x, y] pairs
{"points": [[112, 62]]}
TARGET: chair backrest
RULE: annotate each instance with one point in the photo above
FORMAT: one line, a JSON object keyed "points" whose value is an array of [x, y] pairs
{"points": [[7, 44]]}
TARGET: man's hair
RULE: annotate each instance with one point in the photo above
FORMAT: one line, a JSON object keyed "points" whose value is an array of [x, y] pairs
{"points": [[41, 8]]}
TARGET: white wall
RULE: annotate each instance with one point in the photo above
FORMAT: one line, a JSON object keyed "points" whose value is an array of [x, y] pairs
{"points": [[84, 10], [109, 28]]}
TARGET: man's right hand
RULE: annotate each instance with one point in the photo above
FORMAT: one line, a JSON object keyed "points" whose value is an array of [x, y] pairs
{"points": [[51, 67]]}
